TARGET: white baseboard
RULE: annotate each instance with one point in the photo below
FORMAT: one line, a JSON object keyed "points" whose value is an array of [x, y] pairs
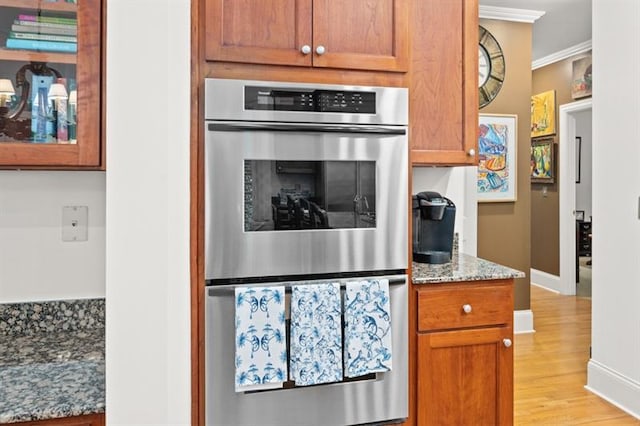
{"points": [[545, 280], [523, 321], [612, 386]]}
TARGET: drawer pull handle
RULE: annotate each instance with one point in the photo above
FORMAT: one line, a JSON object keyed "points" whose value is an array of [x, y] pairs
{"points": [[507, 343], [467, 308]]}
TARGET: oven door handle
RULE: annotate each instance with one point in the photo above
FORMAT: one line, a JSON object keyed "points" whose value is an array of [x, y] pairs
{"points": [[302, 127]]}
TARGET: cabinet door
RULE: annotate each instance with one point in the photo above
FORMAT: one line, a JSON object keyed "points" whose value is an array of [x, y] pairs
{"points": [[258, 31], [443, 87], [370, 35], [45, 44], [465, 377]]}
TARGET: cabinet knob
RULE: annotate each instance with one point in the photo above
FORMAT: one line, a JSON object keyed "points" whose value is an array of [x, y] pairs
{"points": [[320, 50], [471, 152], [507, 343], [306, 49], [467, 308]]}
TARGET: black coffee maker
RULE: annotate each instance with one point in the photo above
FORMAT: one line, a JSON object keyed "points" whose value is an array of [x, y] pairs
{"points": [[433, 220]]}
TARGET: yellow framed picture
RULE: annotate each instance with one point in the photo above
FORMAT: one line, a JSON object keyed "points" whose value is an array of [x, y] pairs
{"points": [[543, 114]]}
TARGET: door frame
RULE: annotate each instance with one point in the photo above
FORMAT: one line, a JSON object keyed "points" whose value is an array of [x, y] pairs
{"points": [[567, 189]]}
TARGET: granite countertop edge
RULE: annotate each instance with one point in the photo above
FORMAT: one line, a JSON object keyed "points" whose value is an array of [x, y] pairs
{"points": [[463, 267], [61, 413], [52, 375]]}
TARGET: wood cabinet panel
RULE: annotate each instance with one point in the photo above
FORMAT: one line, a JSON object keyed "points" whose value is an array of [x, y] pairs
{"points": [[443, 84], [258, 31], [442, 308], [87, 420], [465, 377], [370, 34]]}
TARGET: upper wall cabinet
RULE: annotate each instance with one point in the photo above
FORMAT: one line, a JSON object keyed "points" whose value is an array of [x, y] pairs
{"points": [[50, 84], [443, 83], [365, 35]]}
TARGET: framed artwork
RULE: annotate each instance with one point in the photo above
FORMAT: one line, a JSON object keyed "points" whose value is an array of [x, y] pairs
{"points": [[542, 161], [578, 157], [579, 214], [581, 78], [543, 114], [497, 146]]}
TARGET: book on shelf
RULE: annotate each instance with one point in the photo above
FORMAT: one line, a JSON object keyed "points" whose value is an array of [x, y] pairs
{"points": [[48, 19], [50, 37], [45, 24], [46, 45], [38, 29]]}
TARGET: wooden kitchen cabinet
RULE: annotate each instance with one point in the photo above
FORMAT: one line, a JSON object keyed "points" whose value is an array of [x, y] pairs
{"points": [[443, 82], [44, 43], [86, 420], [465, 354], [363, 35]]}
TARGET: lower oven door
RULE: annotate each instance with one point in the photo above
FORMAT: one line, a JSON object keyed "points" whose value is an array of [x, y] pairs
{"points": [[382, 397], [299, 199]]}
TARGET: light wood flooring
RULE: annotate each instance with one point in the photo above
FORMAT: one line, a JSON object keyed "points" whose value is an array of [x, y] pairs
{"points": [[551, 367]]}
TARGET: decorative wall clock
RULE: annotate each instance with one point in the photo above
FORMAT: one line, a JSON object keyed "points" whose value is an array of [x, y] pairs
{"points": [[491, 68]]}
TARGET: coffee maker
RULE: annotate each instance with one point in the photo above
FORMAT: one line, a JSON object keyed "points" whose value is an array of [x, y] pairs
{"points": [[433, 221]]}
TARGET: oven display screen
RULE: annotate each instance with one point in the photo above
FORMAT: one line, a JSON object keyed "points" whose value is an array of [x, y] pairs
{"points": [[294, 195], [340, 101], [284, 101], [264, 100]]}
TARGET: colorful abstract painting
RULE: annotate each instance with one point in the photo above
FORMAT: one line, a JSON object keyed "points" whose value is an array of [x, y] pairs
{"points": [[543, 114], [542, 161], [497, 158], [581, 85]]}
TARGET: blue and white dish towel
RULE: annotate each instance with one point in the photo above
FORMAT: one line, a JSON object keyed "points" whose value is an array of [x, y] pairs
{"points": [[367, 333], [261, 349], [316, 334]]}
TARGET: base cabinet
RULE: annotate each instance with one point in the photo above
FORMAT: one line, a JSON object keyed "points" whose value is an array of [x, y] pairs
{"points": [[465, 378], [465, 354]]}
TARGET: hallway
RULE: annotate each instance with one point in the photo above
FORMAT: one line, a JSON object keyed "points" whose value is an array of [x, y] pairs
{"points": [[551, 366]]}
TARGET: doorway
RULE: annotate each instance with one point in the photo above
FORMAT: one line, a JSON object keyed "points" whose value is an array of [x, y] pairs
{"points": [[567, 167]]}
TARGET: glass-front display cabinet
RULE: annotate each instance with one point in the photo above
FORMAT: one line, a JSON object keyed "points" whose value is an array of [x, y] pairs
{"points": [[50, 84]]}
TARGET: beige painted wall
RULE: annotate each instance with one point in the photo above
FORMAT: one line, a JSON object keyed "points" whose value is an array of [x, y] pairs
{"points": [[504, 228], [545, 225]]}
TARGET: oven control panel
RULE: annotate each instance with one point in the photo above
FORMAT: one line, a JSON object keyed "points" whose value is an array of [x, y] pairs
{"points": [[340, 101]]}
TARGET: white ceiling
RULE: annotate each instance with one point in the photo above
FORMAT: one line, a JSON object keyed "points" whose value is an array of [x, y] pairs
{"points": [[565, 24]]}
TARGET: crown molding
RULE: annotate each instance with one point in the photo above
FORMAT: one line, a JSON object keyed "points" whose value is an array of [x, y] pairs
{"points": [[510, 14], [562, 54]]}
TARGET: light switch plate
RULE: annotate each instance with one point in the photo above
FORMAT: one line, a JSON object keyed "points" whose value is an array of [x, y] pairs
{"points": [[75, 223]]}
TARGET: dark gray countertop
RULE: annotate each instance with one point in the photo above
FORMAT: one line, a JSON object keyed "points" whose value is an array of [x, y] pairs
{"points": [[462, 268], [50, 372]]}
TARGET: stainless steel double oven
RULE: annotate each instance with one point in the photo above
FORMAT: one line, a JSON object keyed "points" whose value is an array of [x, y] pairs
{"points": [[303, 183]]}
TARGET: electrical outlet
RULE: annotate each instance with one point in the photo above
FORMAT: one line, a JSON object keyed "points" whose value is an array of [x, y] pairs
{"points": [[75, 223]]}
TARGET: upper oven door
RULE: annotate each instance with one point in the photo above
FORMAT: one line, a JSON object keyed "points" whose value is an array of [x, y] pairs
{"points": [[292, 199]]}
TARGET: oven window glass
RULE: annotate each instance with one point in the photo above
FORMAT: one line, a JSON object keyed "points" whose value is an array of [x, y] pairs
{"points": [[293, 195]]}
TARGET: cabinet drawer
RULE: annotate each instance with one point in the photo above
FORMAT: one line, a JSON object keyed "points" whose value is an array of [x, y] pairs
{"points": [[441, 309]]}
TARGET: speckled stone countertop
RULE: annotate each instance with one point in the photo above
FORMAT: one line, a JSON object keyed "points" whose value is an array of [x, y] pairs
{"points": [[462, 268], [51, 360]]}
